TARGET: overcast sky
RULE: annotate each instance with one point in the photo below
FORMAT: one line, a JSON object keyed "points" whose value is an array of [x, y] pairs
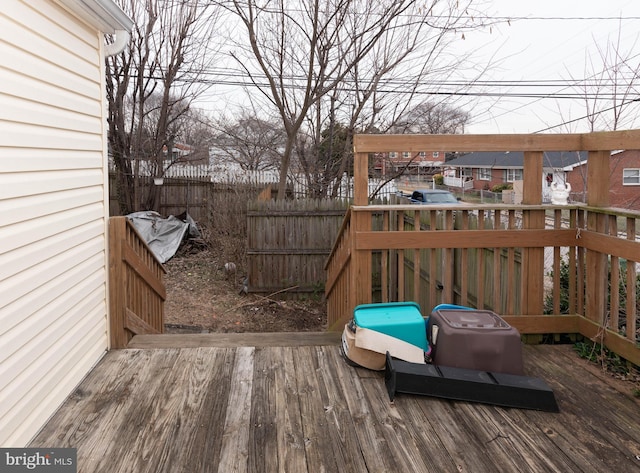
{"points": [[545, 40], [552, 47]]}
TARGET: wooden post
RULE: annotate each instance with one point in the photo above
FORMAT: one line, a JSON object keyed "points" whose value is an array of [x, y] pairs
{"points": [[532, 278], [360, 267], [597, 196], [598, 178], [117, 302], [360, 284], [361, 179]]}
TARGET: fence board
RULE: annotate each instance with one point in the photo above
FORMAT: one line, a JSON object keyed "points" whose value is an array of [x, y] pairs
{"points": [[288, 243], [206, 202]]}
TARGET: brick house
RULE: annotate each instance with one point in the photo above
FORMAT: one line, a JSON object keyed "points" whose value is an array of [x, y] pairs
{"points": [[624, 180], [483, 170], [424, 160], [486, 169]]}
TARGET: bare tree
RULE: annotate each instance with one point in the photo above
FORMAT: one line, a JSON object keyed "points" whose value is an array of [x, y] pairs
{"points": [[611, 85], [609, 92], [319, 62], [251, 143], [151, 86], [432, 118]]}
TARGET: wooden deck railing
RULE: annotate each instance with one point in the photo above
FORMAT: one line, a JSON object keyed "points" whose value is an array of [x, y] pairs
{"points": [[545, 269], [136, 286], [519, 261]]}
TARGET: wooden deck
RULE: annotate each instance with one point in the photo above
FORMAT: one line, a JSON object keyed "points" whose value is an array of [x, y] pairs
{"points": [[289, 403]]}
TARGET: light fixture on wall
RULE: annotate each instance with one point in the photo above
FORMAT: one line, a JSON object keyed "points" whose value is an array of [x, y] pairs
{"points": [[158, 181]]}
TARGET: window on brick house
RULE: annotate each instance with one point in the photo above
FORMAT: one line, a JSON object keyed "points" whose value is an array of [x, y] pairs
{"points": [[631, 177], [484, 174], [511, 175]]}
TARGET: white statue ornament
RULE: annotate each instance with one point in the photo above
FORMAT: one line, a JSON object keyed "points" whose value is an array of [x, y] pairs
{"points": [[560, 193]]}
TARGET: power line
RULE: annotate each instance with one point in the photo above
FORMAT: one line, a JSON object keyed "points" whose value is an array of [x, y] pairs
{"points": [[587, 116], [400, 88]]}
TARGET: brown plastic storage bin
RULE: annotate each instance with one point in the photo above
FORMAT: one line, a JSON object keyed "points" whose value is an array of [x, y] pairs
{"points": [[474, 339]]}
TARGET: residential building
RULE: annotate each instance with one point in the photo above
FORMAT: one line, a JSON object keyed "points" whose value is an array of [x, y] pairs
{"points": [[54, 194], [417, 162], [484, 170]]}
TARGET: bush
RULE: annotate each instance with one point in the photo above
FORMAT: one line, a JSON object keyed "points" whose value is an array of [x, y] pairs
{"points": [[502, 187], [438, 179]]}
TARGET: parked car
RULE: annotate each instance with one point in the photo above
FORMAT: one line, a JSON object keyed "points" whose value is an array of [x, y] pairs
{"points": [[433, 197]]}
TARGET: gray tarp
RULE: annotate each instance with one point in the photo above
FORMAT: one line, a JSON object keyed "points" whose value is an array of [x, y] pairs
{"points": [[163, 235]]}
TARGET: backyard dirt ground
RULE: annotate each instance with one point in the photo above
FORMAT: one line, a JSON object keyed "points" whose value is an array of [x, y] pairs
{"points": [[202, 298]]}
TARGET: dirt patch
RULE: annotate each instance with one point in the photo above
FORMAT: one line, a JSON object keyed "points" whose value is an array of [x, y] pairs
{"points": [[202, 297]]}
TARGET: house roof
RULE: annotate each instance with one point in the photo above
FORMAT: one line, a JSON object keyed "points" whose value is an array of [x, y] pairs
{"points": [[566, 160]]}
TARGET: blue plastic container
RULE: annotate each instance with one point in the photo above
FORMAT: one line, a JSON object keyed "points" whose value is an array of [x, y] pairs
{"points": [[401, 320]]}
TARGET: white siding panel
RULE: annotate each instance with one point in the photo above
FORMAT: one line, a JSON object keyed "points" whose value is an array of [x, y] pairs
{"points": [[51, 259], [16, 134], [62, 368], [21, 111], [49, 41], [26, 342], [15, 262], [53, 211], [16, 185], [31, 206], [30, 84], [39, 282], [29, 160], [61, 18], [24, 233]]}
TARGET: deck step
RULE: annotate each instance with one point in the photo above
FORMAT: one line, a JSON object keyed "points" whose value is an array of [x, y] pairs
{"points": [[460, 384], [230, 340]]}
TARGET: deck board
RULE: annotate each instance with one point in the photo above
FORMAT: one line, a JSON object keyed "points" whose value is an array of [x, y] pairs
{"points": [[263, 421], [294, 405], [235, 437]]}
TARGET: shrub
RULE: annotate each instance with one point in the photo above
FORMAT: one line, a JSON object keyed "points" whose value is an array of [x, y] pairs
{"points": [[502, 187]]}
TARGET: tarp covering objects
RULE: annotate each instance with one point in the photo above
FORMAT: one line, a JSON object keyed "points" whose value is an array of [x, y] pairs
{"points": [[163, 235]]}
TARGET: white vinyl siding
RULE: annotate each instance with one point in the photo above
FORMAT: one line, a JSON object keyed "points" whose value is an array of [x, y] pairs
{"points": [[53, 271]]}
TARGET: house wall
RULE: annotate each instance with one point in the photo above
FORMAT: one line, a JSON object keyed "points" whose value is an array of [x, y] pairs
{"points": [[497, 177], [577, 178], [53, 210], [621, 196], [624, 196]]}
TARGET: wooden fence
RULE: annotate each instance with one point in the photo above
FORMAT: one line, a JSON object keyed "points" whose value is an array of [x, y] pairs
{"points": [[288, 243], [199, 197], [136, 286]]}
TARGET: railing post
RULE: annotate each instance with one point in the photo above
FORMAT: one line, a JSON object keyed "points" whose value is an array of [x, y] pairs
{"points": [[361, 179], [597, 196], [360, 268], [117, 302], [532, 277]]}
